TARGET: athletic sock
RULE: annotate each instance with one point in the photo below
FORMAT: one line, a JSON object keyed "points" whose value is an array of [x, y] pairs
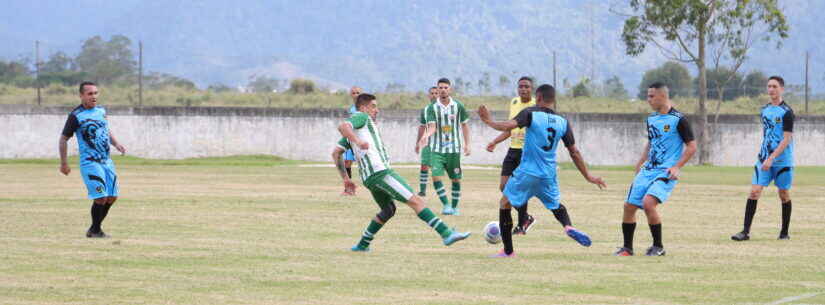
{"points": [[786, 217], [750, 210], [423, 176], [349, 172], [522, 214], [505, 221], [369, 234], [106, 208], [439, 189], [656, 232], [562, 216], [434, 222], [97, 217], [456, 194], [627, 230]]}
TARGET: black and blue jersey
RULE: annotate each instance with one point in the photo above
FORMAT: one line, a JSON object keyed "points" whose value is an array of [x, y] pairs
{"points": [[667, 134], [92, 132], [776, 120]]}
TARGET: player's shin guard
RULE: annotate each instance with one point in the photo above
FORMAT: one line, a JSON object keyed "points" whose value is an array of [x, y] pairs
{"points": [[656, 232], [439, 189], [786, 217], [750, 210], [369, 234], [627, 230], [456, 194], [434, 222], [505, 221], [423, 176], [97, 217], [561, 215]]}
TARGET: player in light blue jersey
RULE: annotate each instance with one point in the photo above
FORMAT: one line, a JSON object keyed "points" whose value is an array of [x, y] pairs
{"points": [[536, 174], [349, 157], [775, 161], [670, 146], [88, 122]]}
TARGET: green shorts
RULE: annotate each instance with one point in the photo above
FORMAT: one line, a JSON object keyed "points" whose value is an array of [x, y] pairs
{"points": [[449, 162], [426, 156], [387, 186]]}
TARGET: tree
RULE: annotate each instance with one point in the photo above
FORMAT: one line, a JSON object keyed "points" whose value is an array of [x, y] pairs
{"points": [[684, 29], [301, 86], [107, 61], [11, 70], [264, 84], [672, 74], [158, 80], [754, 83], [726, 83], [218, 88], [58, 62], [484, 83], [614, 88], [581, 89]]}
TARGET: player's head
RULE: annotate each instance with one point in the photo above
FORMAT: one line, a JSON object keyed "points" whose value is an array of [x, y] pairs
{"points": [[367, 103], [525, 87], [433, 93], [88, 94], [443, 85], [776, 86], [354, 92], [657, 95], [545, 95]]}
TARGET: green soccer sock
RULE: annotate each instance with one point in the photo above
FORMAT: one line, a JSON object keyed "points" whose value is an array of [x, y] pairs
{"points": [[456, 194], [439, 189], [369, 234], [434, 222], [423, 176]]}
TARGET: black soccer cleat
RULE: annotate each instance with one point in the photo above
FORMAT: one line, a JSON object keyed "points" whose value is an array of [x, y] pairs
{"points": [[523, 228], [655, 251], [624, 252], [99, 234], [741, 236], [422, 194], [784, 237]]}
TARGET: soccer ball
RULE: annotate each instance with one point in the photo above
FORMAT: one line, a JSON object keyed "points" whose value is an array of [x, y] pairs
{"points": [[492, 234]]}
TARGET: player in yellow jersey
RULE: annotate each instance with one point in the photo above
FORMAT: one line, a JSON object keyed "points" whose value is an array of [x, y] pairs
{"points": [[513, 158]]}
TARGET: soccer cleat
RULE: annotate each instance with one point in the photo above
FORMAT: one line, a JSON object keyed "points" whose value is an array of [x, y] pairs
{"points": [[422, 194], [624, 252], [522, 230], [99, 234], [454, 237], [447, 210], [501, 254], [655, 251], [579, 236], [784, 237], [455, 212], [741, 236], [356, 248]]}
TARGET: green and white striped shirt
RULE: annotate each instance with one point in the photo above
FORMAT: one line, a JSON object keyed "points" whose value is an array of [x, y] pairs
{"points": [[375, 158], [448, 137]]}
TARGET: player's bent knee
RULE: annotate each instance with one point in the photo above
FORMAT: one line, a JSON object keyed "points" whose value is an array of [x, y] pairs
{"points": [[111, 200], [101, 200], [387, 212]]}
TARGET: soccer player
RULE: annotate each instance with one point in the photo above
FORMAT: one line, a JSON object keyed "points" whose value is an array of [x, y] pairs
{"points": [[448, 134], [511, 161], [425, 152], [354, 92], [361, 135], [88, 121], [670, 146], [775, 158], [536, 175]]}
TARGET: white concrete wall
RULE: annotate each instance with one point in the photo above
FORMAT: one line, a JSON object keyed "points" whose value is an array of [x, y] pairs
{"points": [[602, 141]]}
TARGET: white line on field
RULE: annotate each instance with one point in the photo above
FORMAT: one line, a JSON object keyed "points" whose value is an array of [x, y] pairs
{"points": [[795, 298], [404, 166]]}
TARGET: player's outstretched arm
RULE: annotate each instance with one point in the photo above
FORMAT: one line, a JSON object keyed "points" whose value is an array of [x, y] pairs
{"points": [[485, 116], [116, 143], [687, 154], [61, 148], [501, 137], [342, 170], [345, 129], [578, 160]]}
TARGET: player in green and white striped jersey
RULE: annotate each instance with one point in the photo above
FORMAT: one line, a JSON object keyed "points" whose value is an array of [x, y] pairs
{"points": [[361, 135], [423, 175], [447, 135]]}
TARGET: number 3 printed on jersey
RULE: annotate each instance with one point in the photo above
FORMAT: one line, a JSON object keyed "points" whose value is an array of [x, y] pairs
{"points": [[551, 136]]}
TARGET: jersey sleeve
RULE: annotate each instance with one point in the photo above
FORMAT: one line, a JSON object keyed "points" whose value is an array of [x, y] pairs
{"points": [[422, 117], [344, 144], [568, 138], [463, 116], [524, 118], [787, 121], [429, 114], [71, 126], [358, 120], [684, 130]]}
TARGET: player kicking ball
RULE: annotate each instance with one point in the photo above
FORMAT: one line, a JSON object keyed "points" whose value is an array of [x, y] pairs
{"points": [[536, 174], [670, 146], [361, 135]]}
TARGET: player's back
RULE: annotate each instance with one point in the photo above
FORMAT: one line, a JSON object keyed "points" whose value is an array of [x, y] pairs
{"points": [[543, 133]]}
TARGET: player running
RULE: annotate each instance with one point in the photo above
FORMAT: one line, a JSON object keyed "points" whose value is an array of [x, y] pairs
{"points": [[348, 155], [447, 133], [361, 135], [423, 175], [775, 158], [88, 122], [536, 175], [670, 146], [511, 161]]}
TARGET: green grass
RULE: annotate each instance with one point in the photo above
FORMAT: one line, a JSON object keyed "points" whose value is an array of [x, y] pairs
{"points": [[241, 231]]}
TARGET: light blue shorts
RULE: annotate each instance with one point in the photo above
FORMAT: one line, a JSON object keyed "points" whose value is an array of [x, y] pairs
{"points": [[650, 182], [349, 156], [100, 179], [521, 187], [782, 176]]}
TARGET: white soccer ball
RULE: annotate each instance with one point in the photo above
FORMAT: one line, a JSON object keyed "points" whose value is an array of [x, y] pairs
{"points": [[492, 233]]}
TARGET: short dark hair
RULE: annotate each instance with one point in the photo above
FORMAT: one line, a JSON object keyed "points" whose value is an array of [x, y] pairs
{"points": [[547, 92], [527, 78], [779, 79], [443, 80], [84, 84], [657, 85], [363, 99], [433, 87]]}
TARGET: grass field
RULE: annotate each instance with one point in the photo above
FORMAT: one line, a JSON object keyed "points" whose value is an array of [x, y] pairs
{"points": [[255, 230]]}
